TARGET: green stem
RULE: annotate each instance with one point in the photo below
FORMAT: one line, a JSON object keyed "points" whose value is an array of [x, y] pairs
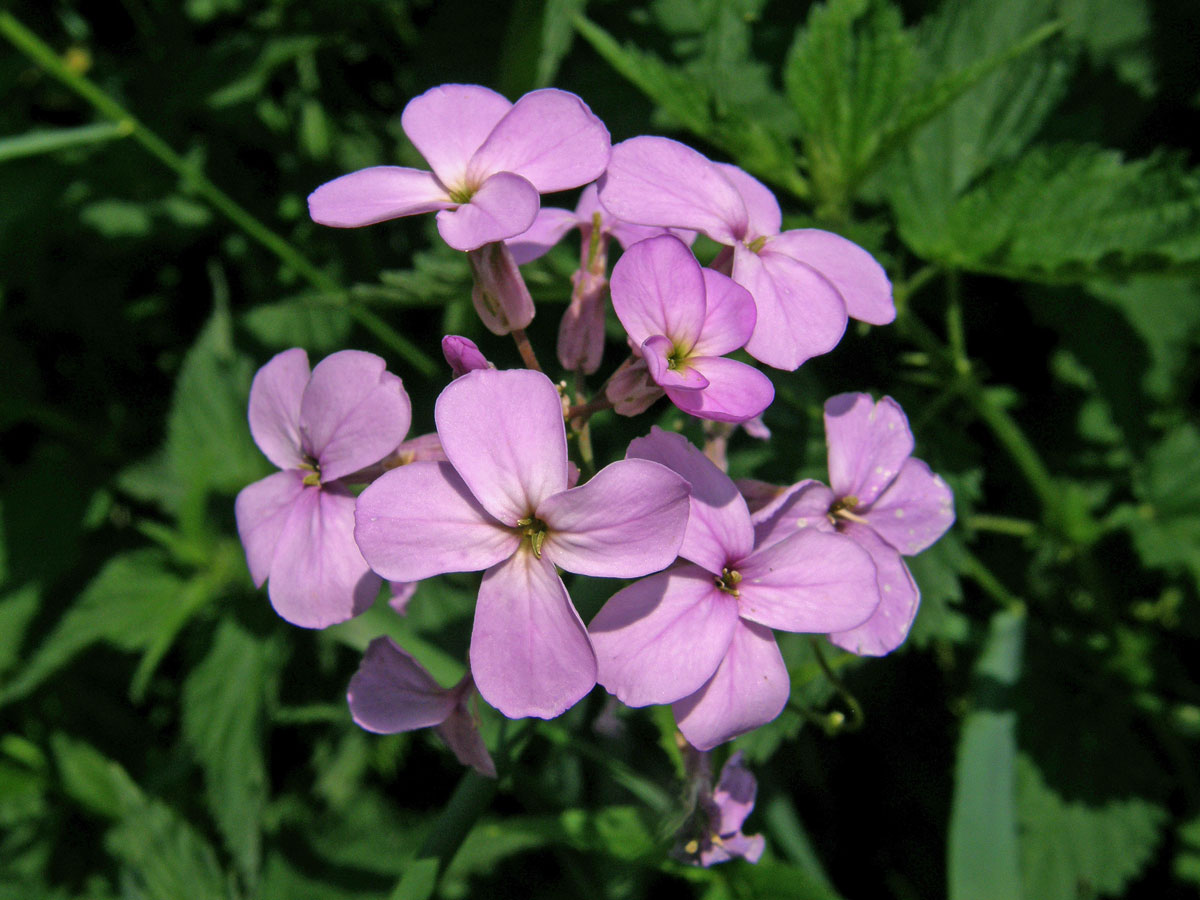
{"points": [[1001, 525], [414, 355], [971, 567]]}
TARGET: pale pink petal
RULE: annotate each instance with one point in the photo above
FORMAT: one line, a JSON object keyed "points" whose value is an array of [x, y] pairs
{"points": [[889, 625], [735, 846], [530, 654], [505, 205], [667, 370], [757, 429], [658, 289], [546, 231], [729, 316], [803, 505], [262, 510], [733, 797], [811, 583], [860, 280], [800, 313], [627, 521], [421, 520], [447, 124], [353, 413], [762, 208], [461, 735], [663, 637], [319, 577], [504, 433], [391, 692], [549, 137], [402, 594], [868, 442], [750, 688], [275, 407], [718, 528], [657, 181], [915, 509], [631, 389], [581, 331], [377, 194], [735, 391], [422, 448]]}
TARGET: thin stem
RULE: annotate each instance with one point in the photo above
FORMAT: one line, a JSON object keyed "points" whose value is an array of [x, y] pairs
{"points": [[974, 569], [414, 355], [1001, 525], [583, 431], [586, 410], [526, 349]]}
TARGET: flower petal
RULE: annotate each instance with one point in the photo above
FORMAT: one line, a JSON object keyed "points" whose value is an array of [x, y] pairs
{"points": [[860, 280], [889, 625], [530, 654], [504, 206], [749, 688], [658, 351], [627, 521], [803, 505], [867, 442], [421, 520], [545, 232], [658, 289], [391, 692], [549, 137], [661, 638], [377, 194], [262, 510], [914, 511], [728, 318], [447, 124], [462, 737], [735, 391], [762, 209], [275, 407], [504, 432], [353, 413]]}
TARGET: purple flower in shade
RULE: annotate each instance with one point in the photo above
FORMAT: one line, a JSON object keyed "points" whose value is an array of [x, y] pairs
{"points": [[682, 319], [391, 692], [804, 281], [503, 504], [698, 636], [888, 502], [322, 429], [723, 810]]}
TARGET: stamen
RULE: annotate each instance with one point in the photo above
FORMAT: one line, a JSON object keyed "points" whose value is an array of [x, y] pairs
{"points": [[728, 581]]}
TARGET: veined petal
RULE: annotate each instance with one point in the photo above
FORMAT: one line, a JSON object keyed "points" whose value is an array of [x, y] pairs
{"points": [[319, 577], [353, 413], [462, 737], [658, 289], [718, 528], [549, 137], [275, 407], [504, 206], [657, 181], [421, 520], [377, 194], [749, 688], [663, 637], [530, 654], [735, 391], [627, 521], [889, 624], [447, 124], [811, 582], [914, 511], [867, 442], [391, 692], [504, 432], [762, 209], [546, 231], [803, 505], [860, 280], [728, 318], [800, 313], [658, 351], [262, 510]]}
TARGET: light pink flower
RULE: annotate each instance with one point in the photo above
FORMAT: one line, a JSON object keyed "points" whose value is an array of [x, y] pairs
{"points": [[722, 812]]}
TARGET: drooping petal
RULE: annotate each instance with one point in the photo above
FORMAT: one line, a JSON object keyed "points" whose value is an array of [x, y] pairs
{"points": [[658, 289], [447, 124], [376, 194], [663, 637], [914, 511], [581, 331], [353, 413], [275, 407], [803, 505], [889, 625], [530, 654], [547, 230], [631, 389], [733, 797], [860, 280], [800, 313], [657, 181], [749, 688], [319, 577], [504, 433], [505, 205], [421, 520], [262, 510], [735, 391], [626, 521], [660, 356], [868, 442], [463, 738], [549, 137], [811, 582], [728, 318], [762, 209], [718, 528], [391, 692]]}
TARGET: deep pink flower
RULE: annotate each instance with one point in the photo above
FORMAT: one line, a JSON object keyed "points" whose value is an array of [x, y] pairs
{"points": [[297, 526], [699, 635], [503, 504]]}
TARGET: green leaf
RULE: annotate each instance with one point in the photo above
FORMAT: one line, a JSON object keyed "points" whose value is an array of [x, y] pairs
{"points": [[304, 322], [17, 608], [937, 572], [35, 143], [1116, 33], [117, 218], [94, 781], [558, 33], [1167, 532]]}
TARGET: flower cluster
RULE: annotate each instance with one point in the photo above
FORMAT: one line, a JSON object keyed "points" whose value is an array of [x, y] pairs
{"points": [[717, 567]]}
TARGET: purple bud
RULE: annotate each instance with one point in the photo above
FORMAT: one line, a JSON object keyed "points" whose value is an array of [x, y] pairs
{"points": [[462, 355], [499, 293]]}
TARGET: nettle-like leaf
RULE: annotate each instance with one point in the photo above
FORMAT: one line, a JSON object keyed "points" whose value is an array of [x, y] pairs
{"points": [[317, 323], [1166, 533]]}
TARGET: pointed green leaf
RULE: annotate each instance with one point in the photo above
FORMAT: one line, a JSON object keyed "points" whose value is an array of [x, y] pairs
{"points": [[1167, 531], [312, 323], [35, 143]]}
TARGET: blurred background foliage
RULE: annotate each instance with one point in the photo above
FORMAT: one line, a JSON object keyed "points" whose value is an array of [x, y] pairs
{"points": [[1025, 169]]}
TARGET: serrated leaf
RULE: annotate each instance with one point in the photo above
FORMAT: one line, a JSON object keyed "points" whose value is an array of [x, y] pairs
{"points": [[1167, 534], [17, 608], [94, 781], [303, 322]]}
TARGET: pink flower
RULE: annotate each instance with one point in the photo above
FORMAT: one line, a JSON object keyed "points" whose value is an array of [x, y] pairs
{"points": [[722, 811], [503, 504], [698, 636], [321, 429], [490, 159]]}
